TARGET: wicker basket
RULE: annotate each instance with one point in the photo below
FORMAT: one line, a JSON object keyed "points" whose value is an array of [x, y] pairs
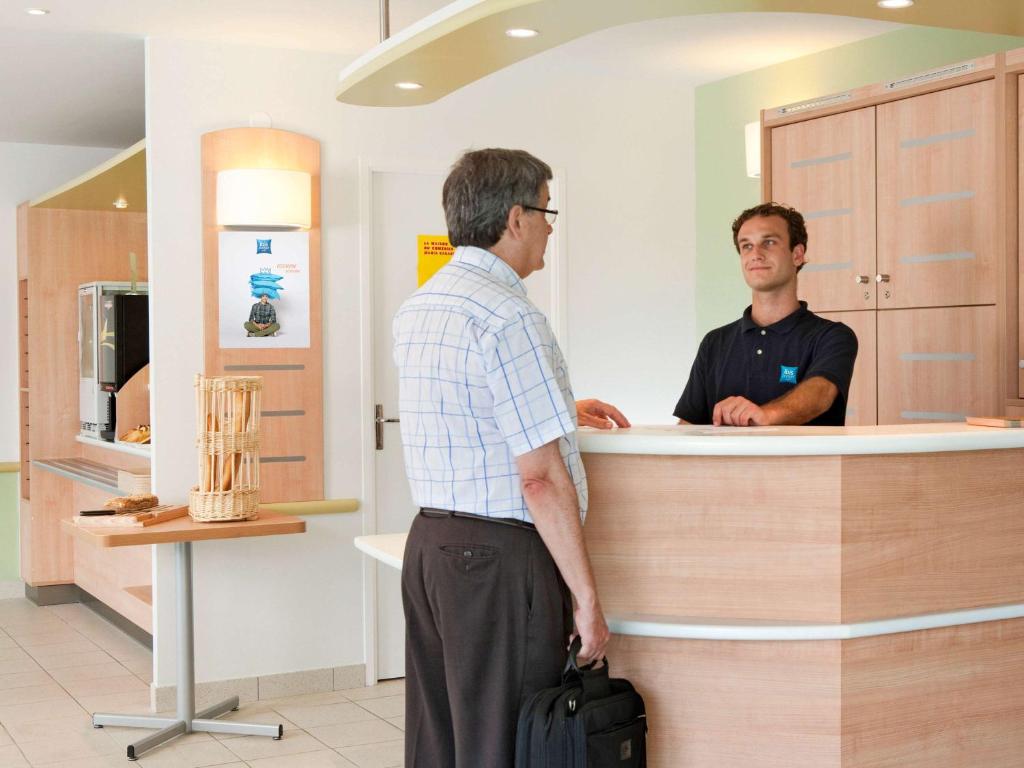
{"points": [[228, 419]]}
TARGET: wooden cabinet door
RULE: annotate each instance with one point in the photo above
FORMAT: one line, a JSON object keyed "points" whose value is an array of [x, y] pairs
{"points": [[937, 364], [862, 404], [825, 168], [1020, 239], [936, 199]]}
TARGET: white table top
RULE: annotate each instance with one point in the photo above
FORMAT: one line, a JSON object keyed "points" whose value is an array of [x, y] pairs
{"points": [[388, 548], [696, 440]]}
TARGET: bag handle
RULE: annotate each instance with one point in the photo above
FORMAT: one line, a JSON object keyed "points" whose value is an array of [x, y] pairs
{"points": [[594, 680]]}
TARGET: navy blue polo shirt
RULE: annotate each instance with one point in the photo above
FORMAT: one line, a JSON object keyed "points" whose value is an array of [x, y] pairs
{"points": [[762, 364]]}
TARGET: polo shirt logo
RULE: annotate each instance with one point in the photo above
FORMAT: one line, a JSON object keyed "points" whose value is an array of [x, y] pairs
{"points": [[262, 246], [787, 374]]}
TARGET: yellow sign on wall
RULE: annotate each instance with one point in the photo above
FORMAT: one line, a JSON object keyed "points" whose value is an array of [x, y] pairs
{"points": [[434, 252]]}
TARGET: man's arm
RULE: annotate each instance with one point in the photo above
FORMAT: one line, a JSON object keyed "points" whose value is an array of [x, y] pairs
{"points": [[594, 413], [551, 498], [273, 316], [804, 402]]}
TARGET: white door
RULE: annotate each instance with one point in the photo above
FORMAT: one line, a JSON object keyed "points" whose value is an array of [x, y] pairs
{"points": [[404, 205]]}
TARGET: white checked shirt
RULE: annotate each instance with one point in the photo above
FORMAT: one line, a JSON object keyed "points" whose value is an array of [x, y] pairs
{"points": [[481, 381]]}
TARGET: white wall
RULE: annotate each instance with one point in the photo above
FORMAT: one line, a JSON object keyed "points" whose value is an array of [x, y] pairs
{"points": [[626, 148], [26, 171]]}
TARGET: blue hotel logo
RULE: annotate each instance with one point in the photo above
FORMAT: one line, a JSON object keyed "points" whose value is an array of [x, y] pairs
{"points": [[262, 246], [787, 374]]}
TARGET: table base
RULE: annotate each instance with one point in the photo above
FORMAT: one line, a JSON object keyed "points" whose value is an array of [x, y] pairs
{"points": [[171, 727]]}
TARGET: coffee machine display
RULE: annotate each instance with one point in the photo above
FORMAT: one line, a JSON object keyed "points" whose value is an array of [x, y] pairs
{"points": [[113, 345]]}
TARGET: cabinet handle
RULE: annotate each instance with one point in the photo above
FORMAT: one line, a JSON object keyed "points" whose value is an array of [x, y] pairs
{"points": [[859, 279], [881, 278]]}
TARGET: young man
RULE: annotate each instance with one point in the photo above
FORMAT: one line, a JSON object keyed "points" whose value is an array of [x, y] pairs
{"points": [[488, 428], [262, 318], [780, 363]]}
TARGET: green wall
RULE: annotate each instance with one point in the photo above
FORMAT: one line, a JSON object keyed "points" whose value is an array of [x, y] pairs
{"points": [[9, 526], [724, 107]]}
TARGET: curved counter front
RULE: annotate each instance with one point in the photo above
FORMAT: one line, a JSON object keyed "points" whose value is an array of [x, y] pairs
{"points": [[812, 596]]}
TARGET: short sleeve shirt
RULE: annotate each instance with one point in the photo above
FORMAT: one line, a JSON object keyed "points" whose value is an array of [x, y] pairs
{"points": [[481, 381], [763, 364]]}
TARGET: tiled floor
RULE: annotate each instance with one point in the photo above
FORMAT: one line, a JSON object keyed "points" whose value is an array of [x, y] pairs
{"points": [[60, 663]]}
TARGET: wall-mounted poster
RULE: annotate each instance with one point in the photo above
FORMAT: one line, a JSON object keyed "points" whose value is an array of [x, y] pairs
{"points": [[433, 252], [264, 289]]}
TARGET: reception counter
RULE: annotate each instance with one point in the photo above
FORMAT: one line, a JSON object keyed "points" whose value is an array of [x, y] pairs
{"points": [[816, 597]]}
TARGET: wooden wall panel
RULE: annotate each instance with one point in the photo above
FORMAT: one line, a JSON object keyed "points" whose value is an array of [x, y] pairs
{"points": [[862, 405], [298, 439], [937, 364], [65, 249], [937, 199], [735, 704], [751, 537], [1020, 240], [951, 697], [931, 532], [825, 168]]}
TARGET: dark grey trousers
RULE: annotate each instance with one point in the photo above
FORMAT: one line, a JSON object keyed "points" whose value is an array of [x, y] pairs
{"points": [[488, 619]]}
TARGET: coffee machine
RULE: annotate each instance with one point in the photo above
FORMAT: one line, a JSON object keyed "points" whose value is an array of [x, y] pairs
{"points": [[113, 345]]}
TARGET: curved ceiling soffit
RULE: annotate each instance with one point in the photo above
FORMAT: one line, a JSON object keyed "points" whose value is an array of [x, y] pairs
{"points": [[465, 40]]}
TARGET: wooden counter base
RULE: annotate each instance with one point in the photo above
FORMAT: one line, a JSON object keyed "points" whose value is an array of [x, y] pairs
{"points": [[951, 697]]}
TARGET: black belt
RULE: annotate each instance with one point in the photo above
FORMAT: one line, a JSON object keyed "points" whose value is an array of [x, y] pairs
{"points": [[436, 513]]}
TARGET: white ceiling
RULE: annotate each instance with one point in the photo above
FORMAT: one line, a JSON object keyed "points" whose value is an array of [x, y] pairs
{"points": [[76, 76]]}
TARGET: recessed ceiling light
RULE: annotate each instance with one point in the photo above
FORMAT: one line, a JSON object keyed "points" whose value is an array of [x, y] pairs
{"points": [[408, 86], [893, 4], [120, 203], [521, 32], [36, 11]]}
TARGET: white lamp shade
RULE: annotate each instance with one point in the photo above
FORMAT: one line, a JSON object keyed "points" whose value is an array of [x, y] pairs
{"points": [[264, 197], [753, 143]]}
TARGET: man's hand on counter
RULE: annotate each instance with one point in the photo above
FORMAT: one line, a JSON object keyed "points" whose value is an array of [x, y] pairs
{"points": [[594, 413], [739, 412]]}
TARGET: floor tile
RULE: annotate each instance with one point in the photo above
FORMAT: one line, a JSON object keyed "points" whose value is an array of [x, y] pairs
{"points": [[308, 699], [390, 754], [31, 694], [69, 747], [389, 706], [378, 691], [256, 747], [142, 668], [355, 734], [103, 685], [49, 636], [116, 760], [131, 703], [6, 642], [24, 663], [187, 755], [14, 714], [398, 722], [23, 679], [5, 737], [325, 714], [304, 760], [11, 757], [79, 645], [90, 672], [54, 728], [63, 661]]}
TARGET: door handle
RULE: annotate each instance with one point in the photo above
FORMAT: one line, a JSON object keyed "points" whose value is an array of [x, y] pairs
{"points": [[378, 424], [881, 278], [859, 279]]}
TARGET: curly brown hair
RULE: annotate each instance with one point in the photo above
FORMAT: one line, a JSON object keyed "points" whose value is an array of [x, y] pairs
{"points": [[793, 218]]}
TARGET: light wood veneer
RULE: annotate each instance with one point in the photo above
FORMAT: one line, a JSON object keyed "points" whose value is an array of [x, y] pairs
{"points": [[862, 404]]}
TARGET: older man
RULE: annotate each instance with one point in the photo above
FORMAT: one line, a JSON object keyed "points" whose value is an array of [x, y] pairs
{"points": [[488, 429]]}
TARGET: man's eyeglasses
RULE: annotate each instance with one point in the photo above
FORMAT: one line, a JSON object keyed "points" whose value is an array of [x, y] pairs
{"points": [[549, 215]]}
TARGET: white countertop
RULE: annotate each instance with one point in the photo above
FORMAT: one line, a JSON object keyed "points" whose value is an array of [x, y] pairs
{"points": [[696, 440], [388, 548]]}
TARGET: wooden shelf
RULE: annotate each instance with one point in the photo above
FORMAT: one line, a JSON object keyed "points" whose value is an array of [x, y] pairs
{"points": [[84, 471], [143, 592], [135, 449]]}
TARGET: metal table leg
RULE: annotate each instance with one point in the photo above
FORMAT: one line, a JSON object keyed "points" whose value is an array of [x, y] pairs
{"points": [[187, 719]]}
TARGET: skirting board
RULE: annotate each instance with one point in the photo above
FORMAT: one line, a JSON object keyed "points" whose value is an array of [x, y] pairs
{"points": [[250, 689], [62, 594]]}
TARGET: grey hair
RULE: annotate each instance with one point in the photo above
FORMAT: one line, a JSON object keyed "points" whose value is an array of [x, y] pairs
{"points": [[481, 189]]}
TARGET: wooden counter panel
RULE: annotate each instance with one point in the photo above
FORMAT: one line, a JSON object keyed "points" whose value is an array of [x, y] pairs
{"points": [[755, 538], [932, 532], [727, 704], [951, 697]]}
